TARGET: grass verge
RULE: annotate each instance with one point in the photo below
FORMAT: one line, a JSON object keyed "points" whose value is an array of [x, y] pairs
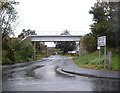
{"points": [[90, 60]]}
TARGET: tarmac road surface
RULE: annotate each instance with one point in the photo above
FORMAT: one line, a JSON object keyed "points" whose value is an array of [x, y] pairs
{"points": [[42, 76]]}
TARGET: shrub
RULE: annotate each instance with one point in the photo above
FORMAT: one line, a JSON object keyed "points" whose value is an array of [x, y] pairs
{"points": [[5, 61], [10, 54], [89, 42], [17, 52]]}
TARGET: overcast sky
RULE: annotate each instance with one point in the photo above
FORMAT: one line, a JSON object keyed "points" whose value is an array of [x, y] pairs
{"points": [[55, 16], [52, 17]]}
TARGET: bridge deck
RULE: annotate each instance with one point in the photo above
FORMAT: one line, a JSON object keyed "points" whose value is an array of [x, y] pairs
{"points": [[52, 38]]}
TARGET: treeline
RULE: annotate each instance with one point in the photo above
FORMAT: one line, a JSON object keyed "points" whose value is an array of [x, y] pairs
{"points": [[106, 22]]}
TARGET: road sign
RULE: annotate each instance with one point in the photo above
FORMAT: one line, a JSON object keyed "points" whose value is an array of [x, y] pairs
{"points": [[102, 41]]}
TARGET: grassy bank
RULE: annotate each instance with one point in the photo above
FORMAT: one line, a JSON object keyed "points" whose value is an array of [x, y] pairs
{"points": [[90, 60]]}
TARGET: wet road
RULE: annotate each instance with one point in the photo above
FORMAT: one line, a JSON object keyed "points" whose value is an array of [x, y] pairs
{"points": [[42, 76]]}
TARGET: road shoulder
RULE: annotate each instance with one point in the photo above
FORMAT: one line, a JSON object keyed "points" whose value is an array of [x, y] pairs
{"points": [[70, 67]]}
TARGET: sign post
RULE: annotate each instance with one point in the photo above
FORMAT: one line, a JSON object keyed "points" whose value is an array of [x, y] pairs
{"points": [[102, 42], [98, 47], [105, 57]]}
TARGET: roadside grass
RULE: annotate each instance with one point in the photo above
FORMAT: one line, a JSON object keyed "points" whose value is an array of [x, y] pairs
{"points": [[40, 56], [90, 60]]}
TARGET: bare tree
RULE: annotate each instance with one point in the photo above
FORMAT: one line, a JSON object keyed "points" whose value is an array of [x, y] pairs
{"points": [[8, 16]]}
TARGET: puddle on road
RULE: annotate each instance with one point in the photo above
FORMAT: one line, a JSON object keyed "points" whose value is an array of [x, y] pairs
{"points": [[101, 84], [23, 73], [30, 72]]}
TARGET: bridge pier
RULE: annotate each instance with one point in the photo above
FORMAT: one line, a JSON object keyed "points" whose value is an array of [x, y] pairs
{"points": [[34, 45], [78, 48]]}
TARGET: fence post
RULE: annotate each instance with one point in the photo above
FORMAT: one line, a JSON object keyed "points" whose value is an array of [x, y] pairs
{"points": [[110, 60]]}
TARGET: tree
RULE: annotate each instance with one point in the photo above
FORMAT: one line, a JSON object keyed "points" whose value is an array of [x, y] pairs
{"points": [[65, 33], [8, 16], [100, 18], [115, 23], [25, 33], [105, 18], [65, 46]]}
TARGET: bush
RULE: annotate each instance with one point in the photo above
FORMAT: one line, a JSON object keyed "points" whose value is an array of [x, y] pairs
{"points": [[17, 52], [26, 51], [89, 42], [10, 54], [5, 61]]}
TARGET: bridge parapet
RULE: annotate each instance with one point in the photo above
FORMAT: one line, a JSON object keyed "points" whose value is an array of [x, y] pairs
{"points": [[52, 38]]}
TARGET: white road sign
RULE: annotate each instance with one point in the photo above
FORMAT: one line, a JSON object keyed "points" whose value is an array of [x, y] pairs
{"points": [[102, 41]]}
